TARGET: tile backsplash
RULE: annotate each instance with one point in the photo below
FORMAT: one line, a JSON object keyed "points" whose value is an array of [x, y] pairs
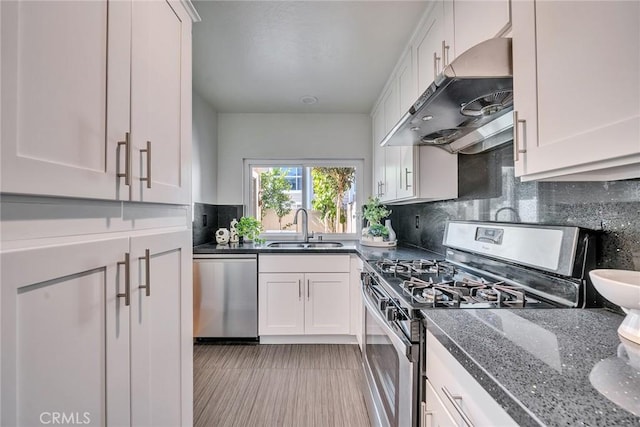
{"points": [[208, 218], [489, 191]]}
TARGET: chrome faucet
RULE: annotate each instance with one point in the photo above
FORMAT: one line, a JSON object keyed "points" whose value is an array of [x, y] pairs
{"points": [[305, 223]]}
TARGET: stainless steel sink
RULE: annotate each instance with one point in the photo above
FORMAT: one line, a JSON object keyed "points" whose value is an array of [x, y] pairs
{"points": [[286, 245], [324, 245], [303, 245]]}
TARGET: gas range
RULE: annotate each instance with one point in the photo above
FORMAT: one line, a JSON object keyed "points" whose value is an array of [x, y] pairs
{"points": [[438, 283], [486, 265]]}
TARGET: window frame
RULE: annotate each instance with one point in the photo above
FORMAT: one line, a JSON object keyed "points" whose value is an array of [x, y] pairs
{"points": [[358, 164]]}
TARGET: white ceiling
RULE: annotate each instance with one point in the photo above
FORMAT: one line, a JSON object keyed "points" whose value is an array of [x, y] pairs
{"points": [[263, 56]]}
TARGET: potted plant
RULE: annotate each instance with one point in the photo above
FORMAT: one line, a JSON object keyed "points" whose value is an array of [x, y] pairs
{"points": [[378, 232], [249, 228], [373, 211]]}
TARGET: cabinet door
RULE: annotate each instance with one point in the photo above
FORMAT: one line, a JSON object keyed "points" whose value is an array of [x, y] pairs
{"points": [[65, 334], [280, 304], [65, 97], [493, 15], [327, 303], [406, 187], [406, 83], [391, 173], [574, 117], [161, 331], [378, 152], [391, 114], [161, 102], [428, 47]]}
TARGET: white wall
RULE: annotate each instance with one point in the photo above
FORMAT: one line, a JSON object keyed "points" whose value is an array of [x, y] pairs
{"points": [[204, 151], [287, 136]]}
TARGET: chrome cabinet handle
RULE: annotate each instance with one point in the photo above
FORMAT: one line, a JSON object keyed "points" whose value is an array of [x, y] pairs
{"points": [[516, 138], [299, 289], [436, 61], [127, 281], [454, 401], [127, 159], [426, 415], [382, 184], [406, 178], [148, 177], [445, 54], [308, 292], [147, 272]]}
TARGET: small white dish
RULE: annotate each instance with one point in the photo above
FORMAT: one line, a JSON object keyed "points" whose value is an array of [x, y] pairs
{"points": [[621, 287]]}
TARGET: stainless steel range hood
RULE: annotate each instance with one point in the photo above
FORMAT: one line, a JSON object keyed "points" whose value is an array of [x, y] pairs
{"points": [[468, 107]]}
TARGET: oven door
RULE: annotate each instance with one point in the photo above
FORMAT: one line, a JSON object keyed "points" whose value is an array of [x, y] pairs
{"points": [[390, 373]]}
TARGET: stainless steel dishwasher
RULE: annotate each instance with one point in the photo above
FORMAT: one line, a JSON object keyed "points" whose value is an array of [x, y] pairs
{"points": [[225, 297]]}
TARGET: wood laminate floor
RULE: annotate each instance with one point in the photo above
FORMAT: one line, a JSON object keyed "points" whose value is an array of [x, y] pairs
{"points": [[301, 385]]}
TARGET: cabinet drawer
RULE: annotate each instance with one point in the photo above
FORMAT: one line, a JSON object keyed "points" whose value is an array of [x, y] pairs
{"points": [[303, 263], [466, 395], [434, 413]]}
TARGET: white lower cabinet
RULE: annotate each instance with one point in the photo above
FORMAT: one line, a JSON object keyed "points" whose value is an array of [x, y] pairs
{"points": [[295, 298], [434, 413], [299, 304], [454, 397], [65, 334], [82, 341], [280, 305]]}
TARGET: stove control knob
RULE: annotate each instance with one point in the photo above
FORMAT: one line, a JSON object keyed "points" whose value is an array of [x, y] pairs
{"points": [[384, 303], [392, 314]]}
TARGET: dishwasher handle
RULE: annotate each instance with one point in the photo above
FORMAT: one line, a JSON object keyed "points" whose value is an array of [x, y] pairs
{"points": [[225, 256]]}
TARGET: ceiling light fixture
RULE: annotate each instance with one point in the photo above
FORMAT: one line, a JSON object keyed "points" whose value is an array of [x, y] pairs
{"points": [[308, 99]]}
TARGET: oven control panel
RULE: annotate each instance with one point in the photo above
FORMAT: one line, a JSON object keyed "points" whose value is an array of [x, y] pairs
{"points": [[489, 235]]}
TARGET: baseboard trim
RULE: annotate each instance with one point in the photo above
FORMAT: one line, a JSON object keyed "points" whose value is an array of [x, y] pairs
{"points": [[308, 339]]}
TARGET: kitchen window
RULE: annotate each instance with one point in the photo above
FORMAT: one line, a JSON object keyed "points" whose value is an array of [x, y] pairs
{"points": [[327, 189]]}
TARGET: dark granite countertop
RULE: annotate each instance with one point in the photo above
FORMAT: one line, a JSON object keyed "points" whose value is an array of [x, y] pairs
{"points": [[556, 367], [350, 246]]}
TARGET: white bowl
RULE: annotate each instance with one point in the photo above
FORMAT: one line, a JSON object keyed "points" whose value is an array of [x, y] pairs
{"points": [[621, 287]]}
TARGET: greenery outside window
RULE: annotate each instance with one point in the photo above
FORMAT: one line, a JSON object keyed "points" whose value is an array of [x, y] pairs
{"points": [[327, 189]]}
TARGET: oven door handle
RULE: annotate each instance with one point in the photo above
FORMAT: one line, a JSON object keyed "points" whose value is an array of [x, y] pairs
{"points": [[400, 342]]}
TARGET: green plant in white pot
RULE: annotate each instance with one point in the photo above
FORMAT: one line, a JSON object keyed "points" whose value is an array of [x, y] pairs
{"points": [[249, 229], [378, 232], [373, 212]]}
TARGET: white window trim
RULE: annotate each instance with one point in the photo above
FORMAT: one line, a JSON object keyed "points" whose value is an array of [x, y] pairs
{"points": [[249, 163]]}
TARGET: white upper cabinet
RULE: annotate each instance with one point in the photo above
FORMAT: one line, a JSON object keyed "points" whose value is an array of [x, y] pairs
{"points": [[385, 168], [577, 90], [65, 97], [83, 94], [406, 83], [378, 152], [160, 102], [427, 47], [451, 27], [478, 20]]}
